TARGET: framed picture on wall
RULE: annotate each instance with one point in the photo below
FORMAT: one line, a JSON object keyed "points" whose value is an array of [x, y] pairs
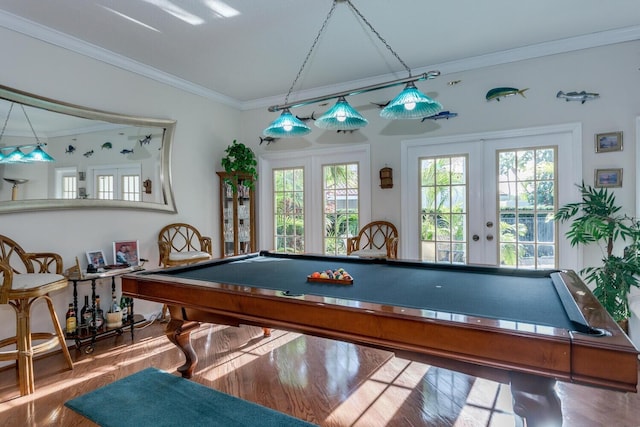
{"points": [[606, 142], [608, 178], [126, 252], [96, 258]]}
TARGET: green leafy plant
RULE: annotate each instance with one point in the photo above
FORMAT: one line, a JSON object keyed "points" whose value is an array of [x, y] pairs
{"points": [[597, 220], [240, 160]]}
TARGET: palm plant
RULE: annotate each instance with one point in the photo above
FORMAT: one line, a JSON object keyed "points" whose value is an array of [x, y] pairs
{"points": [[597, 220]]}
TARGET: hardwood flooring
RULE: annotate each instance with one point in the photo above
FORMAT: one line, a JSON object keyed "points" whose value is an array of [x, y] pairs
{"points": [[330, 383]]}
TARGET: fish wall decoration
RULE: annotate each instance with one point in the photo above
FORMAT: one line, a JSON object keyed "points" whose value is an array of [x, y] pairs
{"points": [[125, 151], [88, 154], [107, 145], [306, 119], [502, 92], [70, 149], [441, 115], [582, 96], [268, 139], [145, 140]]}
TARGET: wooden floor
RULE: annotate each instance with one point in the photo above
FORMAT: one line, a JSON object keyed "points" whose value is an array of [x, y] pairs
{"points": [[326, 382]]}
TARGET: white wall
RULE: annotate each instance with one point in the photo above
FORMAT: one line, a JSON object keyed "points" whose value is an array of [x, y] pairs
{"points": [[204, 128]]}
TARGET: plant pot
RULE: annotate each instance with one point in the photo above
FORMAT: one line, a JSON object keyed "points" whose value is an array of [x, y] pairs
{"points": [[114, 320], [624, 325]]}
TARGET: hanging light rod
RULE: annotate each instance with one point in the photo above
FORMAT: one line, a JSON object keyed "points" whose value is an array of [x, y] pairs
{"points": [[365, 89]]}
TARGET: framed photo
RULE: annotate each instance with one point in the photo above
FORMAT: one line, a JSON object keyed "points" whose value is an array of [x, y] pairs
{"points": [[126, 252], [97, 258], [608, 178], [606, 142]]}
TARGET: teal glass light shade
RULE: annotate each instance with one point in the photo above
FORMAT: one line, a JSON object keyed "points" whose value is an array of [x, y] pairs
{"points": [[16, 156], [341, 116], [410, 104], [38, 155], [287, 125]]}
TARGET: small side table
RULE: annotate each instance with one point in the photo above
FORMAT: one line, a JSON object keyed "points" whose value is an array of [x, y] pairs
{"points": [[90, 333]]}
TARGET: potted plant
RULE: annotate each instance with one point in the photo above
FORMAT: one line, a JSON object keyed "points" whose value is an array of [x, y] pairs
{"points": [[597, 220], [240, 160]]}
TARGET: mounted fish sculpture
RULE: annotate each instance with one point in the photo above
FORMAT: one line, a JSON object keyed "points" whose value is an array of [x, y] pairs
{"points": [[346, 130], [441, 115], [502, 92], [88, 154], [125, 151], [381, 106], [268, 139], [306, 119], [107, 145], [145, 140], [578, 96], [70, 149]]}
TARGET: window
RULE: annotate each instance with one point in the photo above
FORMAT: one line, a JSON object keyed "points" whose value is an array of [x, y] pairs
{"points": [[294, 206], [66, 185], [443, 217], [340, 206], [115, 182], [288, 214], [526, 181]]}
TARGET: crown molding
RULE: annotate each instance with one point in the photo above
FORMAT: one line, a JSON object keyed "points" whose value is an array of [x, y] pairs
{"points": [[48, 35]]}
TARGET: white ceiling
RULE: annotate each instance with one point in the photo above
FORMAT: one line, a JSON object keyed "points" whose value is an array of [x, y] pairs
{"points": [[248, 52]]}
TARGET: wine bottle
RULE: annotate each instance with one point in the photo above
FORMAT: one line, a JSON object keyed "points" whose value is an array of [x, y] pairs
{"points": [[99, 314], [124, 307], [85, 313], [72, 320]]}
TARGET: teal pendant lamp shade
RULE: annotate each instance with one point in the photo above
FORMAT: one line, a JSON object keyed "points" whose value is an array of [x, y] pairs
{"points": [[341, 116], [16, 156], [38, 155], [410, 104], [287, 125]]}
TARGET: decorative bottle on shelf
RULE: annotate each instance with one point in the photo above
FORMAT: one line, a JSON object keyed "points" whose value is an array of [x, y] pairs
{"points": [[124, 307], [99, 314], [72, 320], [86, 313], [115, 307]]}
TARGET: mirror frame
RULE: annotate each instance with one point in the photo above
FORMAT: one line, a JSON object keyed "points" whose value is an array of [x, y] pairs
{"points": [[26, 98]]}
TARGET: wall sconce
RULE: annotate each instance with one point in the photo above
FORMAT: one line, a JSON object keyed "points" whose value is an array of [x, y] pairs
{"points": [[147, 186], [386, 177]]}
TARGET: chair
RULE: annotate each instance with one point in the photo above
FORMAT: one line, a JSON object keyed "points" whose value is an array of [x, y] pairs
{"points": [[182, 244], [378, 239], [26, 278]]}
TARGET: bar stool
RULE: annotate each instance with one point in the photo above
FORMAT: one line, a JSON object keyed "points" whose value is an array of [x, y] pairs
{"points": [[25, 279]]}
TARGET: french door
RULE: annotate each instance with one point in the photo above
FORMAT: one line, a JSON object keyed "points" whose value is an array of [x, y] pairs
{"points": [[487, 199]]}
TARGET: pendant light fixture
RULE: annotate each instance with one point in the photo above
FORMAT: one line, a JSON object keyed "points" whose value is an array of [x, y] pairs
{"points": [[409, 104], [17, 155]]}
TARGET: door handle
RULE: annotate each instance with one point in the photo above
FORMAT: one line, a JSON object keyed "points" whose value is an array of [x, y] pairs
{"points": [[489, 237], [475, 237]]}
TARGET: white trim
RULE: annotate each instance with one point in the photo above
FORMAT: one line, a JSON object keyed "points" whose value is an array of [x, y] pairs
{"points": [[570, 174], [637, 166]]}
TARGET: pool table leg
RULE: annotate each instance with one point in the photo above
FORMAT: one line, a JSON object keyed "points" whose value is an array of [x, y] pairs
{"points": [[535, 399], [179, 332]]}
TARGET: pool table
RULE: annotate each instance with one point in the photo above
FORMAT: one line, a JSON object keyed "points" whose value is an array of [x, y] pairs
{"points": [[524, 327]]}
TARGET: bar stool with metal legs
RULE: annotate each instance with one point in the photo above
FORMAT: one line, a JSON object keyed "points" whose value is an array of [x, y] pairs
{"points": [[25, 279]]}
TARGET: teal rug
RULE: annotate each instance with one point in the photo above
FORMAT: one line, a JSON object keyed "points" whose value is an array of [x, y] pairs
{"points": [[155, 398]]}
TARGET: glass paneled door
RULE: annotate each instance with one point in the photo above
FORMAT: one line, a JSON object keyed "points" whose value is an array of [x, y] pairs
{"points": [[489, 201]]}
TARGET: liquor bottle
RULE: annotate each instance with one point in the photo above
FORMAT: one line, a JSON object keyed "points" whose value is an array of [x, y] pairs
{"points": [[124, 307], [72, 320], [99, 314], [115, 307], [85, 313]]}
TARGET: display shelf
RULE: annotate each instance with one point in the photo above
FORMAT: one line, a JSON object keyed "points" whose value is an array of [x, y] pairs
{"points": [[237, 214]]}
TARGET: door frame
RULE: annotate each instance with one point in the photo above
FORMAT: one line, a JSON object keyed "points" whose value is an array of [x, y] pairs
{"points": [[569, 174]]}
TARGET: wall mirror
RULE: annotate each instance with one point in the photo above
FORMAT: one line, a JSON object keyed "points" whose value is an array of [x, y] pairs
{"points": [[100, 159]]}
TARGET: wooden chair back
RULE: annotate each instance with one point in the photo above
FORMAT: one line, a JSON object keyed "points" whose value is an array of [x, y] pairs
{"points": [[378, 236], [181, 237]]}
